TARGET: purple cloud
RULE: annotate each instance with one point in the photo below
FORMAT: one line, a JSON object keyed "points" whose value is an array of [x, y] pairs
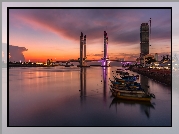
{"points": [[16, 53]]}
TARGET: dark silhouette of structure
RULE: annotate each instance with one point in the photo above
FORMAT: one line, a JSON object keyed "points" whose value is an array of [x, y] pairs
{"points": [[144, 39], [105, 58], [83, 57]]}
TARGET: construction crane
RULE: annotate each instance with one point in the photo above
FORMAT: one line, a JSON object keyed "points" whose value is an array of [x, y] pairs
{"points": [[150, 21]]}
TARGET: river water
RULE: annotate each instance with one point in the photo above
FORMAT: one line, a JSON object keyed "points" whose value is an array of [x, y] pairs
{"points": [[71, 96]]}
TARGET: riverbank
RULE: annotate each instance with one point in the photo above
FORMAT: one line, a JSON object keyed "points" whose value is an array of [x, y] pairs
{"points": [[30, 65], [160, 75]]}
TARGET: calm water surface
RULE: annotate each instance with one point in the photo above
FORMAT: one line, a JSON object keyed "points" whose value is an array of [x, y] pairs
{"points": [[60, 96]]}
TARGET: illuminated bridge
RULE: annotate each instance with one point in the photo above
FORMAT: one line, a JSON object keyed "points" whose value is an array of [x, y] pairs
{"points": [[91, 61]]}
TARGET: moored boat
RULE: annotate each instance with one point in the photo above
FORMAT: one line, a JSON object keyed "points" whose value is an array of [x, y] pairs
{"points": [[127, 84], [125, 78], [128, 91], [128, 78], [132, 96]]}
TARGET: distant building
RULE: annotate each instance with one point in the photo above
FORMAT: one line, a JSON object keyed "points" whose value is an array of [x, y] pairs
{"points": [[144, 39], [48, 62], [156, 56], [149, 56], [145, 58], [165, 58]]}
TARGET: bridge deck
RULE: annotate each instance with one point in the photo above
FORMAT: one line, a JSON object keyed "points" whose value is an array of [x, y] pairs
{"points": [[92, 61]]}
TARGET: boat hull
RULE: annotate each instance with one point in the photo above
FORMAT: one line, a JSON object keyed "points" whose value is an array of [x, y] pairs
{"points": [[128, 96], [128, 91]]}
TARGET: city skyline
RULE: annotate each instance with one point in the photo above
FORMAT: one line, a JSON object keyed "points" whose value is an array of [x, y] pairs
{"points": [[42, 34]]}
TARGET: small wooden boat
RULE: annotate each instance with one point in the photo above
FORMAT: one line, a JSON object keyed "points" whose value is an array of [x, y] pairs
{"points": [[122, 82], [128, 84], [128, 78], [120, 71], [132, 96], [125, 90], [125, 78]]}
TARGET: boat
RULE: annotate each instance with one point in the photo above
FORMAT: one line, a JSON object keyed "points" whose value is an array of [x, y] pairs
{"points": [[126, 82], [122, 72], [125, 85], [121, 82], [122, 87], [125, 90], [126, 74], [129, 78], [132, 96], [125, 78]]}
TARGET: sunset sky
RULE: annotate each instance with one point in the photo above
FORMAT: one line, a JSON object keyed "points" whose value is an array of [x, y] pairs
{"points": [[54, 33]]}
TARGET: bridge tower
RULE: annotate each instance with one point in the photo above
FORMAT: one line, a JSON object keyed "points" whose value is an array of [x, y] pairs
{"points": [[105, 58], [81, 49], [83, 57]]}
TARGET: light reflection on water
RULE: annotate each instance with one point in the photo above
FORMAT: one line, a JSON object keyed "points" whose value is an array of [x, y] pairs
{"points": [[74, 96]]}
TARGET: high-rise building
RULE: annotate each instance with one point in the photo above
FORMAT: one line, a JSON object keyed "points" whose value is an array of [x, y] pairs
{"points": [[156, 56], [144, 39]]}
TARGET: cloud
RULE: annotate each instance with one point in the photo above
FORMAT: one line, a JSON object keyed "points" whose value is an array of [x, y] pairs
{"points": [[123, 26], [16, 53], [128, 37]]}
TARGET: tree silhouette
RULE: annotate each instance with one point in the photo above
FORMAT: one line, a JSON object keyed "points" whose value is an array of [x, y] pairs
{"points": [[149, 60]]}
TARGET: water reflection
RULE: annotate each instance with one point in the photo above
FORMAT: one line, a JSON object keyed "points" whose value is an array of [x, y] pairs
{"points": [[83, 80], [104, 82], [145, 107], [144, 81], [55, 93], [82, 83]]}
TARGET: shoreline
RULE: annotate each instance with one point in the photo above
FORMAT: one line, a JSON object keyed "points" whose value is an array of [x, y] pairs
{"points": [[160, 75]]}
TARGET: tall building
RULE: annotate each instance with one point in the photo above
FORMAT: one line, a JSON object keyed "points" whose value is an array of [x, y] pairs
{"points": [[144, 39], [156, 56]]}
